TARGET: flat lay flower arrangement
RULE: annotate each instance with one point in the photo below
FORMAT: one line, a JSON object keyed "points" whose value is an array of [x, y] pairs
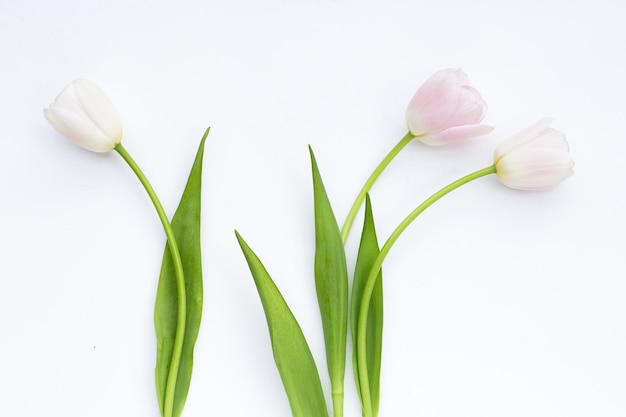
{"points": [[445, 109]]}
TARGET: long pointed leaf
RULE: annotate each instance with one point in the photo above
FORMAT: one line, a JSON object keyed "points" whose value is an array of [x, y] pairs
{"points": [[331, 284], [186, 226], [368, 250], [291, 352]]}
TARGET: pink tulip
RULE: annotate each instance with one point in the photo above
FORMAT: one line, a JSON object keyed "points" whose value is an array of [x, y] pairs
{"points": [[446, 109], [535, 158]]}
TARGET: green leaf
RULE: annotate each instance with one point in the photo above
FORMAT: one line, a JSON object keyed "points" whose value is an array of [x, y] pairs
{"points": [[368, 250], [331, 284], [186, 226], [291, 352]]}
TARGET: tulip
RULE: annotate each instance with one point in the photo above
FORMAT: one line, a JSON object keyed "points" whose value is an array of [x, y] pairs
{"points": [[535, 158], [86, 116], [446, 109]]}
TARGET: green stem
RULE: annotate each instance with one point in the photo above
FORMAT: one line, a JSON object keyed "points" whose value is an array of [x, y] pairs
{"points": [[338, 402], [377, 265], [170, 388], [345, 230]]}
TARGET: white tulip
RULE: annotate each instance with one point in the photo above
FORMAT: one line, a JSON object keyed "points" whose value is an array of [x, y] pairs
{"points": [[535, 158], [86, 116]]}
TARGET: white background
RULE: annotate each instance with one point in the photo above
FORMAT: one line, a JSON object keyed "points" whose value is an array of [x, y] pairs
{"points": [[498, 302]]}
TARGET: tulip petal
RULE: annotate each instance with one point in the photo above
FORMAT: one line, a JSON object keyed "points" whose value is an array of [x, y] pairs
{"points": [[520, 138], [471, 108], [455, 134], [551, 138], [434, 104], [98, 108], [440, 81], [78, 130], [534, 168]]}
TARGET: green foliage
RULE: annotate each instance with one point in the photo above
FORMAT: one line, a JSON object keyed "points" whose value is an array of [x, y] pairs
{"points": [[291, 352], [368, 251], [186, 227], [331, 284]]}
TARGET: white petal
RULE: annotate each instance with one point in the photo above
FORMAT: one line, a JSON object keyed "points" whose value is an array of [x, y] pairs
{"points": [[526, 135], [78, 130], [551, 138], [99, 109], [534, 168]]}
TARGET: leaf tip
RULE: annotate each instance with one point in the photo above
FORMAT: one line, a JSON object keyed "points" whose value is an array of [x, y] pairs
{"points": [[242, 243]]}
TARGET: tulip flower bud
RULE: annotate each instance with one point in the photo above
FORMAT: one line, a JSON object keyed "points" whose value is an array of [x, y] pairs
{"points": [[535, 158], [446, 109], [86, 116]]}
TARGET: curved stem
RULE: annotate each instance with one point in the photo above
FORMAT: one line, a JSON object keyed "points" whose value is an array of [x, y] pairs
{"points": [[376, 266], [170, 388], [345, 230]]}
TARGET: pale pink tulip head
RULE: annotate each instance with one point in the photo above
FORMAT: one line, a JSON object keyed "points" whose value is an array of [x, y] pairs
{"points": [[534, 159], [446, 109], [84, 114]]}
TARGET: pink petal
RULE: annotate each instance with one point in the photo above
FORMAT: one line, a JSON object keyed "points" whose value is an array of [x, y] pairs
{"points": [[455, 134], [435, 102]]}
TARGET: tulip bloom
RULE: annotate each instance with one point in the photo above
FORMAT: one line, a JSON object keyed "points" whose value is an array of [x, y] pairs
{"points": [[535, 158], [446, 109], [86, 116]]}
